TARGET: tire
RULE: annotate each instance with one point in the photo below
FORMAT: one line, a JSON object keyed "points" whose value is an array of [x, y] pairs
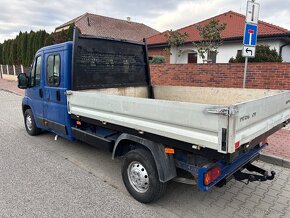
{"points": [[29, 122], [140, 176]]}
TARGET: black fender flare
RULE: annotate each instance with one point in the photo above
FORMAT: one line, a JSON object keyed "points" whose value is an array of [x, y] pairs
{"points": [[164, 162]]}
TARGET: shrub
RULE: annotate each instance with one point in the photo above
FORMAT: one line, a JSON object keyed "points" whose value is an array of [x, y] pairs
{"points": [[157, 60], [263, 54]]}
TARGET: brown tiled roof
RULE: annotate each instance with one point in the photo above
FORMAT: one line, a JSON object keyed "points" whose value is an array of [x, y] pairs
{"points": [[234, 29], [91, 24]]}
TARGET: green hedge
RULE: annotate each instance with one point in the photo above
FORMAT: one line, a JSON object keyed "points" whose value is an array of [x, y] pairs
{"points": [[22, 48]]}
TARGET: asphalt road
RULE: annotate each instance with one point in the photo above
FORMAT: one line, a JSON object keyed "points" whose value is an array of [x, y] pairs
{"points": [[41, 177]]}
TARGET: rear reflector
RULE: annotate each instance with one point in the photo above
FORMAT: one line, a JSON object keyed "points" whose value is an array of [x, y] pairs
{"points": [[237, 145], [212, 175], [169, 150]]}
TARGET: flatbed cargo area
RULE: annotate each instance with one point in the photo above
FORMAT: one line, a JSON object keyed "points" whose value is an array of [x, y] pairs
{"points": [[117, 90], [201, 95], [216, 118]]}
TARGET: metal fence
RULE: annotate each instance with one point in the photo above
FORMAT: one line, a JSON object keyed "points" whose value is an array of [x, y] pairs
{"points": [[12, 70]]}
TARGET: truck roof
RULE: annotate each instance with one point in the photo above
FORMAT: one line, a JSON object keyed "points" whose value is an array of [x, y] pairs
{"points": [[64, 45]]}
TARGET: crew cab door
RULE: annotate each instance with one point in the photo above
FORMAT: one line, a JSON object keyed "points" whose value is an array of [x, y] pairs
{"points": [[54, 93], [35, 90]]}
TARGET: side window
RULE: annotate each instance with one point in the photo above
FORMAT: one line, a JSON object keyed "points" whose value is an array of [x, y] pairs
{"points": [[239, 52], [35, 72], [53, 70]]}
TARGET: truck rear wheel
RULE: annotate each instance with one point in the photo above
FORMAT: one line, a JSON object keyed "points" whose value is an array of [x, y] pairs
{"points": [[29, 122], [140, 176]]}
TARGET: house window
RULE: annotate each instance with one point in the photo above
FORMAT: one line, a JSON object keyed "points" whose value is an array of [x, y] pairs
{"points": [[239, 53], [211, 56], [192, 58]]}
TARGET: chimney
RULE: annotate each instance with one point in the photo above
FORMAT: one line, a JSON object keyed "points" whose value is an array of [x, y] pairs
{"points": [[88, 20], [129, 19]]}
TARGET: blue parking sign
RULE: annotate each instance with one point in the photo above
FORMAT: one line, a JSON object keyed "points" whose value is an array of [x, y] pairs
{"points": [[250, 34]]}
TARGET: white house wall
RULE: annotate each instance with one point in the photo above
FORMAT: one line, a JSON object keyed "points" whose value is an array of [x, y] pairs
{"points": [[183, 58], [225, 52]]}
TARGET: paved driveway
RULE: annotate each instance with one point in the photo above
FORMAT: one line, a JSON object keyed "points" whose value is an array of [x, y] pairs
{"points": [[40, 177]]}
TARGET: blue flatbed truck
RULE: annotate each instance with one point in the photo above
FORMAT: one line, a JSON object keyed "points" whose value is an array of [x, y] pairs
{"points": [[98, 90]]}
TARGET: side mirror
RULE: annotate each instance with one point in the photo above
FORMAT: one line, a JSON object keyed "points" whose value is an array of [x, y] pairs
{"points": [[23, 81]]}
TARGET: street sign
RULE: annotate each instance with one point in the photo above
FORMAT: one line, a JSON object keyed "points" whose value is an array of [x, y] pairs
{"points": [[249, 51], [252, 14], [250, 34]]}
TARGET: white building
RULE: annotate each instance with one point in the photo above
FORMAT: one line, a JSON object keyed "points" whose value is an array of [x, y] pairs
{"points": [[276, 37]]}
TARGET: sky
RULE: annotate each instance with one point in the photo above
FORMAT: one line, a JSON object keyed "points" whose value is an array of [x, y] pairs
{"points": [[26, 15]]}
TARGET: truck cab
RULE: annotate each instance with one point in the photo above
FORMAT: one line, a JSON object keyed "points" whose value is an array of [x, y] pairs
{"points": [[45, 96]]}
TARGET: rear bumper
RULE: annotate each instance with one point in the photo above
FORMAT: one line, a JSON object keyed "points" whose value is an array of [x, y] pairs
{"points": [[227, 170]]}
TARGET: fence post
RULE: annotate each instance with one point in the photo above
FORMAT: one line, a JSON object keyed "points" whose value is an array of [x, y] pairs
{"points": [[7, 67], [14, 73], [22, 71], [1, 71]]}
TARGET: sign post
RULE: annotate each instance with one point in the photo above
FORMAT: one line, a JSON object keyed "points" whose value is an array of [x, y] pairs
{"points": [[250, 34]]}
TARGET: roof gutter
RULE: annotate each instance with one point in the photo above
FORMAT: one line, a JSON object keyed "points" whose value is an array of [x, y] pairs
{"points": [[284, 45], [233, 39]]}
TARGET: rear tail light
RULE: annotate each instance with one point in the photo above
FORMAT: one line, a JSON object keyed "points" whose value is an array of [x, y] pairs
{"points": [[212, 175]]}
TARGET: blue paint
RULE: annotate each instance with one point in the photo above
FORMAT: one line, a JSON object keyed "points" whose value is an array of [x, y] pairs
{"points": [[250, 34], [227, 169], [48, 106]]}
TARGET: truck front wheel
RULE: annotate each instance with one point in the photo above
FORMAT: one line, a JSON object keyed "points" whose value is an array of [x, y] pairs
{"points": [[140, 176], [30, 125]]}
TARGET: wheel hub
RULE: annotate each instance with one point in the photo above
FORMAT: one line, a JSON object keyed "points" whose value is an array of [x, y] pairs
{"points": [[138, 177], [29, 123]]}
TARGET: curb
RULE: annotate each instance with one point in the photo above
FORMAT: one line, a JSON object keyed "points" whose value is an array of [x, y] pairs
{"points": [[275, 160], [10, 91]]}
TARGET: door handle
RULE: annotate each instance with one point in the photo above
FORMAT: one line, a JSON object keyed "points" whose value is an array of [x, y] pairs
{"points": [[57, 95], [40, 93]]}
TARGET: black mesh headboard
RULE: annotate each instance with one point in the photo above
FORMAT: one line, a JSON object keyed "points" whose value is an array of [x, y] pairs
{"points": [[105, 63]]}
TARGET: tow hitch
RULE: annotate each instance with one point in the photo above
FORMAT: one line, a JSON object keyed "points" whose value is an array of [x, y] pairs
{"points": [[264, 175]]}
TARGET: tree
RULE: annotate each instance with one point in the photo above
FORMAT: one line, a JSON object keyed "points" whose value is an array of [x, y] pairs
{"points": [[22, 48], [30, 49], [4, 55], [211, 38], [263, 54], [10, 51], [59, 37], [19, 39], [70, 33], [13, 52], [48, 40], [1, 53], [175, 39]]}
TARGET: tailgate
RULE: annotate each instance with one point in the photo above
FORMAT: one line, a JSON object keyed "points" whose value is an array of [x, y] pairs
{"points": [[253, 118]]}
